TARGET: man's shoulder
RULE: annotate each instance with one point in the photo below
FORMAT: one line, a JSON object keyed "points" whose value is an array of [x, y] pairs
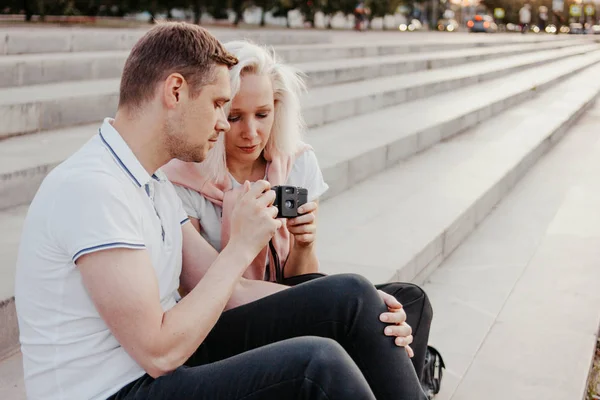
{"points": [[91, 168]]}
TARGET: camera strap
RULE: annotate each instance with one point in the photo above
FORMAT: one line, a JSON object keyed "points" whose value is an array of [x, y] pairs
{"points": [[277, 264]]}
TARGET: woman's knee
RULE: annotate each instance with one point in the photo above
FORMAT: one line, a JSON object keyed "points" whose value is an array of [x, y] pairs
{"points": [[351, 285], [408, 294]]}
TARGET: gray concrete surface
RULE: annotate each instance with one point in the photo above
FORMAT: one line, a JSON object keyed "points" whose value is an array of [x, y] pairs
{"points": [[440, 196], [516, 306], [323, 65], [34, 108], [32, 40], [25, 160]]}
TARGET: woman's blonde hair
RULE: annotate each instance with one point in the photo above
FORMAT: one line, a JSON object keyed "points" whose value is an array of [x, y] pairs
{"points": [[288, 85]]}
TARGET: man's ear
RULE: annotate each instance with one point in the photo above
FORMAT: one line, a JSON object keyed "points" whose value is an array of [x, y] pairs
{"points": [[174, 90]]}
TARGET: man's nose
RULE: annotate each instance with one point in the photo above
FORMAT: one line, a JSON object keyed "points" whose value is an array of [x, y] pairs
{"points": [[222, 124]]}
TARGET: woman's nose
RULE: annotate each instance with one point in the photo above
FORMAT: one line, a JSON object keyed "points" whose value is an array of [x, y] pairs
{"points": [[250, 131]]}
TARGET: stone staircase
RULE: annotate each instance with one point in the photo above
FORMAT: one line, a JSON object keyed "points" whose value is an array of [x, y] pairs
{"points": [[419, 141]]}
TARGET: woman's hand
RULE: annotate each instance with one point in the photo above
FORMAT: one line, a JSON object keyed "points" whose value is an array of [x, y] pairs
{"points": [[304, 227], [396, 318]]}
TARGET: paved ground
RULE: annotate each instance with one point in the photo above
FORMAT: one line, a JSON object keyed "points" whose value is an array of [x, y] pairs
{"points": [[515, 317]]}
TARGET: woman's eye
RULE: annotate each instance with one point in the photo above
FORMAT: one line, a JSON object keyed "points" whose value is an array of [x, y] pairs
{"points": [[262, 115], [233, 119]]}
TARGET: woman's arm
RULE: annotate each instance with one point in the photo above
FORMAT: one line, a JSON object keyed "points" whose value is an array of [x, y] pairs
{"points": [[303, 257], [246, 291]]}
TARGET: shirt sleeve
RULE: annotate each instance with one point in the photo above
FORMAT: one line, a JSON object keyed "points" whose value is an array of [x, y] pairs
{"points": [[189, 200], [96, 214], [306, 173], [183, 214]]}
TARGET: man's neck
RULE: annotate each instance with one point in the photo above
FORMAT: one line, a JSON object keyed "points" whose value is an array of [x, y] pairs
{"points": [[143, 136]]}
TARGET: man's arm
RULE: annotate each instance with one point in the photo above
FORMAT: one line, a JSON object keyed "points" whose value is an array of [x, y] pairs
{"points": [[123, 286], [198, 255]]}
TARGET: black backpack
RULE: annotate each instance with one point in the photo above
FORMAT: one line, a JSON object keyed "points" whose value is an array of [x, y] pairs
{"points": [[432, 372]]}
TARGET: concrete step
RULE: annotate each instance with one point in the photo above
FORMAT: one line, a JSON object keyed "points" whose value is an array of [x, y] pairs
{"points": [[25, 160], [66, 40], [402, 44], [414, 215], [516, 305], [328, 72], [43, 107], [322, 105], [12, 386], [374, 142], [11, 222], [35, 69]]}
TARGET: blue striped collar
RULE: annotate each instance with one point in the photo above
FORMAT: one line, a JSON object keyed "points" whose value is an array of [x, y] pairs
{"points": [[123, 155]]}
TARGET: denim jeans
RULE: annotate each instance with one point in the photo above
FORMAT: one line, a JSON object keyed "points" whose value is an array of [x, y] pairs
{"points": [[318, 340]]}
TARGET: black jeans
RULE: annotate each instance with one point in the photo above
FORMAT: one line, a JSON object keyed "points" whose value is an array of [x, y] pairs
{"points": [[321, 340], [415, 302]]}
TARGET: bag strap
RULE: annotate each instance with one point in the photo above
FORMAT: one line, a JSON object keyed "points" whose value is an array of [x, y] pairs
{"points": [[437, 368]]}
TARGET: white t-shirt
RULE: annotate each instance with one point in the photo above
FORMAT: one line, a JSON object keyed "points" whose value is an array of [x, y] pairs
{"points": [[525, 15], [305, 173], [99, 198]]}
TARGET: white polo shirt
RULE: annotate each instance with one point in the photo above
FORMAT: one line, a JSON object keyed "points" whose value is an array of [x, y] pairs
{"points": [[99, 198]]}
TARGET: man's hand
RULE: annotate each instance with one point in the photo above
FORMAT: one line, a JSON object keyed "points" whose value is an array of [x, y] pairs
{"points": [[304, 227], [396, 317], [253, 220]]}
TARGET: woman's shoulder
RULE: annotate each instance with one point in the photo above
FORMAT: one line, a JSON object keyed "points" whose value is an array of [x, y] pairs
{"points": [[194, 203], [307, 173], [305, 159]]}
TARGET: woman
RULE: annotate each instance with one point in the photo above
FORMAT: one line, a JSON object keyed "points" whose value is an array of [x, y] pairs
{"points": [[264, 142]]}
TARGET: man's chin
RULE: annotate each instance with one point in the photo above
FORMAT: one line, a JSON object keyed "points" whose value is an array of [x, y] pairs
{"points": [[193, 157]]}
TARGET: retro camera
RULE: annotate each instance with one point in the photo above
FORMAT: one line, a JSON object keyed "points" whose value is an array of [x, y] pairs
{"points": [[288, 199]]}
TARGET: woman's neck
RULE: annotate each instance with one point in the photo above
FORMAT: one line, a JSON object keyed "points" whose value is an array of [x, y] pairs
{"points": [[252, 172]]}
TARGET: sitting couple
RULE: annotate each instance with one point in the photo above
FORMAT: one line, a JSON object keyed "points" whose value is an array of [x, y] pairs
{"points": [[108, 245]]}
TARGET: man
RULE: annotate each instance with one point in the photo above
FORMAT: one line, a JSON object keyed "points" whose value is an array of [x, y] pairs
{"points": [[106, 244]]}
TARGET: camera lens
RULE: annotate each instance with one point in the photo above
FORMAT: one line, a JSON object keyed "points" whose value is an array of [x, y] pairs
{"points": [[289, 190], [289, 203]]}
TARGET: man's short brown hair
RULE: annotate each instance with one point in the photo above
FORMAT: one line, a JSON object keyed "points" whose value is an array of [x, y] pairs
{"points": [[168, 48]]}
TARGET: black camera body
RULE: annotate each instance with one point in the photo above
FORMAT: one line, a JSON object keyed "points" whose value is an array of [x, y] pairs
{"points": [[288, 199]]}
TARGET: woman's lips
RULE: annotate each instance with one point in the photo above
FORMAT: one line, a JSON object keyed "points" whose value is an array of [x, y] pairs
{"points": [[248, 149]]}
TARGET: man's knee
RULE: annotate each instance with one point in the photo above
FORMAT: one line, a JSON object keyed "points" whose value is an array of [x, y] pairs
{"points": [[323, 350], [324, 354], [329, 364]]}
